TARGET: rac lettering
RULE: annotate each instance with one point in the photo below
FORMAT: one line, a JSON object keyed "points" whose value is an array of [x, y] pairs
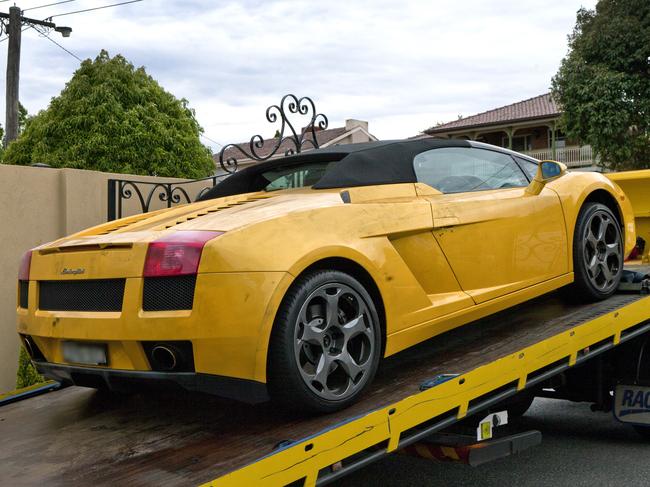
{"points": [[639, 400]]}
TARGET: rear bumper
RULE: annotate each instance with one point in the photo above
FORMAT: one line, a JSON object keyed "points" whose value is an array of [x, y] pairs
{"points": [[249, 391], [229, 324]]}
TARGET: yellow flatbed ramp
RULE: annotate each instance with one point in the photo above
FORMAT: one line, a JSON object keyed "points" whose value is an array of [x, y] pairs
{"points": [[77, 435]]}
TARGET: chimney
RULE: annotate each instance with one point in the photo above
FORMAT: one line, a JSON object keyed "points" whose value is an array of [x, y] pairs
{"points": [[351, 123], [359, 136]]}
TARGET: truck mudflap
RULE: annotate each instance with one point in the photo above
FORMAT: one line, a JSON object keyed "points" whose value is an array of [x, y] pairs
{"points": [[632, 404]]}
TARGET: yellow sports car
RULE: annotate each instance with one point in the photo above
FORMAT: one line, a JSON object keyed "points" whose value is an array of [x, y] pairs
{"points": [[292, 278]]}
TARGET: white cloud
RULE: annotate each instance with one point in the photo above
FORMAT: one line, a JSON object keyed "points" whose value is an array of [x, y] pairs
{"points": [[403, 66]]}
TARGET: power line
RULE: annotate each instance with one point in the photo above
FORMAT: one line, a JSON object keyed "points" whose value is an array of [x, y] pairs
{"points": [[14, 23], [56, 43], [95, 8], [7, 37], [211, 140], [49, 5]]}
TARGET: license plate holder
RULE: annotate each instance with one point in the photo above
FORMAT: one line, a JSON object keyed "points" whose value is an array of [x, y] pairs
{"points": [[632, 404], [84, 353]]}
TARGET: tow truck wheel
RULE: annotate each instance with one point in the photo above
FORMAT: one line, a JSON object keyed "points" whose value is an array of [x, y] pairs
{"points": [[326, 343], [597, 253]]}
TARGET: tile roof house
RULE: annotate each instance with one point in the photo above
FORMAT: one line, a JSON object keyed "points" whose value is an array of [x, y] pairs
{"points": [[354, 131], [529, 126]]}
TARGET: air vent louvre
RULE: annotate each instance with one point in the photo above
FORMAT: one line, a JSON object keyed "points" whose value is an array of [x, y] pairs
{"points": [[212, 209]]}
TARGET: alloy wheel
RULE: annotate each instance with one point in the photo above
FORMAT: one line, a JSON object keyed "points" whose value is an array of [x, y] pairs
{"points": [[602, 250], [334, 341]]}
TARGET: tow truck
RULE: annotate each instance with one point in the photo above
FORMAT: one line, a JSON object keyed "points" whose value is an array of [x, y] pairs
{"points": [[424, 401]]}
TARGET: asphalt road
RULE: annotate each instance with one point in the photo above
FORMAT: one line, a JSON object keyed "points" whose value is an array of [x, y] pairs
{"points": [[578, 448]]}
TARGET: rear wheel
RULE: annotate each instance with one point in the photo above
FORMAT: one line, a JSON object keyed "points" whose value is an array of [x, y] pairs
{"points": [[597, 253], [325, 344]]}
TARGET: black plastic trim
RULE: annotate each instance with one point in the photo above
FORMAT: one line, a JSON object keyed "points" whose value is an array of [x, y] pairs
{"points": [[244, 390], [101, 295], [23, 293], [168, 293]]}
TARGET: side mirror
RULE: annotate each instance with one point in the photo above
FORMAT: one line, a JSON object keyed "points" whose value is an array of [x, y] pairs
{"points": [[546, 171]]}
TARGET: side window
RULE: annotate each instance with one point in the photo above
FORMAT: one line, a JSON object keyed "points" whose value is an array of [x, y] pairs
{"points": [[529, 166], [297, 176], [460, 169]]}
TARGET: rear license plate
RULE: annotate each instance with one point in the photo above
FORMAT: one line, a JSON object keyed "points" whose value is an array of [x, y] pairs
{"points": [[632, 404], [85, 353]]}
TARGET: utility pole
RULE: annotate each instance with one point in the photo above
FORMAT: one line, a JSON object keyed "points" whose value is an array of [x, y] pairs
{"points": [[13, 23], [13, 74]]}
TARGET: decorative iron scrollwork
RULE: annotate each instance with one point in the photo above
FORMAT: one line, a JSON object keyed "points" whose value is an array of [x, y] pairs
{"points": [[171, 194], [290, 104]]}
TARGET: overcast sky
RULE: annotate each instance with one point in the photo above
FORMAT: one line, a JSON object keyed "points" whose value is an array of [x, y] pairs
{"points": [[402, 65]]}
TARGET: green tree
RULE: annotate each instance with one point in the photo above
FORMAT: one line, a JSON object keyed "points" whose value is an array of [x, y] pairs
{"points": [[113, 117], [603, 84], [27, 374], [23, 118]]}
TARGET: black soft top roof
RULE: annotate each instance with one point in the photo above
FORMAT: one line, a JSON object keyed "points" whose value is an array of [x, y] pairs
{"points": [[385, 162]]}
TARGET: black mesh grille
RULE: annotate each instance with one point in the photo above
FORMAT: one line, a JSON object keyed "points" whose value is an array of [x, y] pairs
{"points": [[23, 293], [168, 293], [86, 295]]}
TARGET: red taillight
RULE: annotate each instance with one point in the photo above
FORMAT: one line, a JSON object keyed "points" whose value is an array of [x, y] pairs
{"points": [[176, 254], [25, 263]]}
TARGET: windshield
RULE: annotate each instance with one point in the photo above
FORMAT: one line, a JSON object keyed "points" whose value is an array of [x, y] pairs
{"points": [[296, 176]]}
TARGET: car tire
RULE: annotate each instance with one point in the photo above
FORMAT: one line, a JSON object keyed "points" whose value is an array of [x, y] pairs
{"points": [[598, 249], [325, 344]]}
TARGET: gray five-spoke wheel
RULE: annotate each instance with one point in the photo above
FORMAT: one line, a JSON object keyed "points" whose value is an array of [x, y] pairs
{"points": [[334, 341], [602, 250]]}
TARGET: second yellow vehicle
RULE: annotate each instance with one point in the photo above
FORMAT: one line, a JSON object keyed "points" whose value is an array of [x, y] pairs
{"points": [[294, 277]]}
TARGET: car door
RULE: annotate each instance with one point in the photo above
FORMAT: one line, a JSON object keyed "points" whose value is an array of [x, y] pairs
{"points": [[497, 238]]}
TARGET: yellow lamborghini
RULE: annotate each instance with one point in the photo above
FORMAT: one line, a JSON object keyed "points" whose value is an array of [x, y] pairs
{"points": [[291, 279]]}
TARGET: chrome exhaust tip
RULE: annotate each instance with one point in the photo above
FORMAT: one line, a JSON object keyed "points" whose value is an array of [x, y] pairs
{"points": [[164, 357]]}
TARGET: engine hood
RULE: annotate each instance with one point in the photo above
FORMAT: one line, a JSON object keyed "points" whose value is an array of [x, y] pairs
{"points": [[221, 214]]}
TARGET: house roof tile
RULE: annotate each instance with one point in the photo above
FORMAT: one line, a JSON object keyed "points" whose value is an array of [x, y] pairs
{"points": [[322, 136], [541, 106]]}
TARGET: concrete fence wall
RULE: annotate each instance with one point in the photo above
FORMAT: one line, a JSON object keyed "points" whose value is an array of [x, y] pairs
{"points": [[38, 205]]}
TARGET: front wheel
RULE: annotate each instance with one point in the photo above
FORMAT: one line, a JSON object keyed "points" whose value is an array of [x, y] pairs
{"points": [[326, 343], [597, 253]]}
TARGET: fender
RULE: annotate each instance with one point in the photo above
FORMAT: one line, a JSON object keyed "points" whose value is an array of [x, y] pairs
{"points": [[573, 201], [296, 270]]}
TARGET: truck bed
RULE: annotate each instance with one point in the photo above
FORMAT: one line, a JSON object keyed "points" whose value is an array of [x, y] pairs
{"points": [[77, 435]]}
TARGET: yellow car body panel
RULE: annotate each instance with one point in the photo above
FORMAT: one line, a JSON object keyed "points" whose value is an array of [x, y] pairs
{"points": [[510, 254], [635, 186], [438, 261]]}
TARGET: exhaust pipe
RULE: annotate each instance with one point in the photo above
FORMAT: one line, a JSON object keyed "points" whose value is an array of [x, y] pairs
{"points": [[29, 347], [164, 357]]}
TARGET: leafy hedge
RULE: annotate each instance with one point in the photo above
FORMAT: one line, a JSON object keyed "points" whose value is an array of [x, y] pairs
{"points": [[27, 374], [113, 117]]}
